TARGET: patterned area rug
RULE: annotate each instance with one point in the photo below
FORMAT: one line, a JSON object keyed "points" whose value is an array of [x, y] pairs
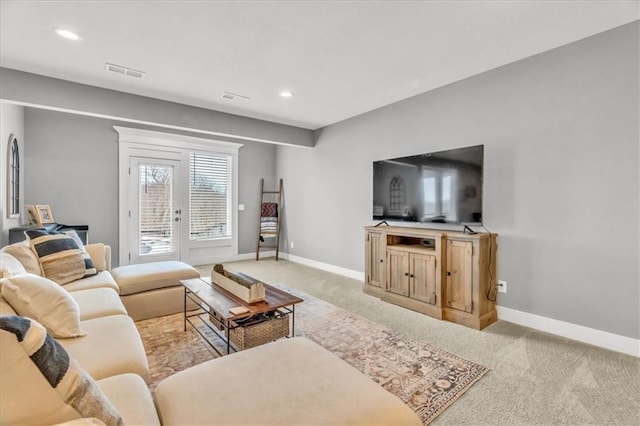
{"points": [[426, 378]]}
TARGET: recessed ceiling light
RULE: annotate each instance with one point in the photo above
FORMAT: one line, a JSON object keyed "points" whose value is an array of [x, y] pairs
{"points": [[286, 94], [70, 35]]}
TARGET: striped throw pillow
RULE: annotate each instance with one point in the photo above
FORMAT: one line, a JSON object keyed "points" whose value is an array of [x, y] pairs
{"points": [[91, 270], [62, 373], [59, 256]]}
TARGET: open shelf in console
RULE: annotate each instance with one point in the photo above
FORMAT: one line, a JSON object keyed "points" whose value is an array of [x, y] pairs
{"points": [[402, 242]]}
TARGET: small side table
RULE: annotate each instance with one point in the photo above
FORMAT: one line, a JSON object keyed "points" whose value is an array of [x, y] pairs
{"points": [[17, 234]]}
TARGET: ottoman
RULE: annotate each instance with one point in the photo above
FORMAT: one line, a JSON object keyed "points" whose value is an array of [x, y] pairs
{"points": [[286, 382], [150, 290]]}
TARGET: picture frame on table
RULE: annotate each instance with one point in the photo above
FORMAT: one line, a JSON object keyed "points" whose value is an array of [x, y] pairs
{"points": [[41, 214]]}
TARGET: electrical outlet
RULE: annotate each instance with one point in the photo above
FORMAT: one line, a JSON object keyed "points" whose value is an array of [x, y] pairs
{"points": [[502, 286], [291, 244]]}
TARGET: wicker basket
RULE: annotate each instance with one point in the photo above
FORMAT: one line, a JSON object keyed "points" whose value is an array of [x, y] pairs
{"points": [[248, 336]]}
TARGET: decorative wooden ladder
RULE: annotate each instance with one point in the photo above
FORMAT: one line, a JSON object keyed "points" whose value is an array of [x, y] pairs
{"points": [[269, 220]]}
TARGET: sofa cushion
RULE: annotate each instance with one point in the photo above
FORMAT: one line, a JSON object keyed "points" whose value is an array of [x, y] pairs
{"points": [[10, 266], [23, 253], [132, 398], [98, 302], [102, 280], [112, 346], [290, 381], [39, 298], [151, 276], [40, 383], [85, 421], [60, 258], [99, 254]]}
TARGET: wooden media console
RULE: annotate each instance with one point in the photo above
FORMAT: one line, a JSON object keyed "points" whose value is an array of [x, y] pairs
{"points": [[443, 274]]}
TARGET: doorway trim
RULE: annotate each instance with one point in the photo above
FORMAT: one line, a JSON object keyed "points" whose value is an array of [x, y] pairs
{"points": [[139, 143]]}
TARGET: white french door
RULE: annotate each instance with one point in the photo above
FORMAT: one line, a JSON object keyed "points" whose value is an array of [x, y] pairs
{"points": [[178, 198], [155, 209]]}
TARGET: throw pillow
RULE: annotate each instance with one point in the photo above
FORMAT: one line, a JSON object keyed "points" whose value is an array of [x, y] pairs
{"points": [[23, 253], [45, 301], [88, 262], [59, 256], [10, 266], [32, 355]]}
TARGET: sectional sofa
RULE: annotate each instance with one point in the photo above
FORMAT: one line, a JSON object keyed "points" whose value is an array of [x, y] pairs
{"points": [[290, 381]]}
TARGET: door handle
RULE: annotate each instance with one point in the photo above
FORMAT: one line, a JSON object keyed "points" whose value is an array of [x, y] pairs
{"points": [[179, 211], [177, 219]]}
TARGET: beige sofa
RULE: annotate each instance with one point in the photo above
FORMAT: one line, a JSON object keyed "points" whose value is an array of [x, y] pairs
{"points": [[111, 352], [290, 381], [147, 290]]}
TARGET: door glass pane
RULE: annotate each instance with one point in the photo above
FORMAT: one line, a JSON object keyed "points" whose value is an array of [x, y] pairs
{"points": [[209, 196], [157, 234]]}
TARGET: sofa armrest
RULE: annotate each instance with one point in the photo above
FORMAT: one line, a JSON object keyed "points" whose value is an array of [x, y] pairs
{"points": [[100, 255]]}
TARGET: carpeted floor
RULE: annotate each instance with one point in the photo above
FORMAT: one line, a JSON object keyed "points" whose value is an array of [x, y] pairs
{"points": [[426, 378], [535, 378]]}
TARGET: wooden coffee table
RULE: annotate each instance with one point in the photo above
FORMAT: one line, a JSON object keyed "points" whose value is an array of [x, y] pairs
{"points": [[215, 302]]}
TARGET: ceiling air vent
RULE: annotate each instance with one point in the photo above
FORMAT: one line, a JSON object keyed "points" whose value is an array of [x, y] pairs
{"points": [[124, 70], [234, 97]]}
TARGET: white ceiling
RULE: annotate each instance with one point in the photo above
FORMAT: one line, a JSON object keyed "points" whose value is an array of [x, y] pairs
{"points": [[341, 58]]}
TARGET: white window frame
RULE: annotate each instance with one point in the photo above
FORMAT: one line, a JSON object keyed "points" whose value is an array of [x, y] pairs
{"points": [[138, 142]]}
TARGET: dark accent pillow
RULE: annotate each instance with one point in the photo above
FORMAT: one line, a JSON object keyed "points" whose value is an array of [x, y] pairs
{"points": [[74, 386], [60, 257]]}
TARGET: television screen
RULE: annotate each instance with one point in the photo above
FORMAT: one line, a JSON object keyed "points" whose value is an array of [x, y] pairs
{"points": [[436, 187]]}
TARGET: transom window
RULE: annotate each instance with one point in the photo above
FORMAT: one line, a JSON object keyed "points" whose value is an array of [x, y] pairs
{"points": [[13, 208]]}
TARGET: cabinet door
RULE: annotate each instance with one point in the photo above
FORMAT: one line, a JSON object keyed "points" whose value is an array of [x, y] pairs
{"points": [[398, 272], [459, 285], [422, 274], [374, 258]]}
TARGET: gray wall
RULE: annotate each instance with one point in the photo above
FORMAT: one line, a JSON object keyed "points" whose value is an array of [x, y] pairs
{"points": [[51, 93], [73, 166], [561, 188], [11, 122]]}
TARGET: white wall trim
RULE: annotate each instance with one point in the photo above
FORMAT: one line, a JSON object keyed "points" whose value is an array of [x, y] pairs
{"points": [[173, 140], [349, 273], [603, 339]]}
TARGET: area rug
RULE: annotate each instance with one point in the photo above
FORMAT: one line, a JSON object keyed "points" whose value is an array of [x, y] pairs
{"points": [[426, 378]]}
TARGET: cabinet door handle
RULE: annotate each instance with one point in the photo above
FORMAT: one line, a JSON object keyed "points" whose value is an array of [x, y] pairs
{"points": [[448, 273], [406, 274], [411, 276], [381, 260]]}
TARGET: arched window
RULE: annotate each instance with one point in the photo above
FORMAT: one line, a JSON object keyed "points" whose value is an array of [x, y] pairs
{"points": [[13, 190], [398, 194]]}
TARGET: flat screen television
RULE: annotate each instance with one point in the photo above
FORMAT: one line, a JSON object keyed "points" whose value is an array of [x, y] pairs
{"points": [[435, 187]]}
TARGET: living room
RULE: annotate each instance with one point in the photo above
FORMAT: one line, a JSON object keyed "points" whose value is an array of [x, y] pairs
{"points": [[560, 134]]}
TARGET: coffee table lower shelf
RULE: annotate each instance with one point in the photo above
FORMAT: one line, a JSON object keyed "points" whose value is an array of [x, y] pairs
{"points": [[242, 333]]}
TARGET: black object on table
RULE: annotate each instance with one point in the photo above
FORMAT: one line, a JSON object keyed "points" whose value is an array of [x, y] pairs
{"points": [[17, 234]]}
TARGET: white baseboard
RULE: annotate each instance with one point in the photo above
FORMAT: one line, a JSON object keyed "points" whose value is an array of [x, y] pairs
{"points": [[603, 339], [350, 273]]}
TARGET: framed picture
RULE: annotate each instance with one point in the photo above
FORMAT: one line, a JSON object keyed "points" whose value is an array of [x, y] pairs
{"points": [[41, 214]]}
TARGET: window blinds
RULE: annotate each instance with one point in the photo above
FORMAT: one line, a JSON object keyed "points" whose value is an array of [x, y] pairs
{"points": [[209, 196]]}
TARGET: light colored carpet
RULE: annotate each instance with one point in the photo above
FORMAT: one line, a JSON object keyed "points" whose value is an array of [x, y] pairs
{"points": [[535, 378], [424, 377]]}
